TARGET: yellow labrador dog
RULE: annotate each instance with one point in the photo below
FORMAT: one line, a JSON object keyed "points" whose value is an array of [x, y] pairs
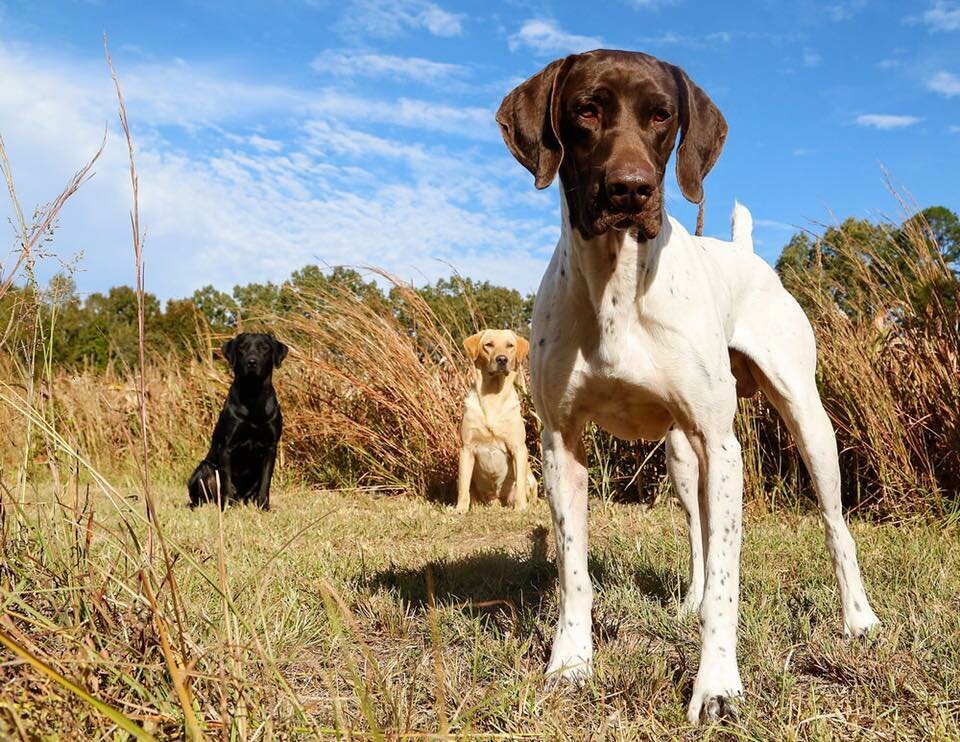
{"points": [[493, 449]]}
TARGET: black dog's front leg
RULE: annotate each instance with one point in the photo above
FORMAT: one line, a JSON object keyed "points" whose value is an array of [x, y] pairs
{"points": [[228, 491], [263, 492]]}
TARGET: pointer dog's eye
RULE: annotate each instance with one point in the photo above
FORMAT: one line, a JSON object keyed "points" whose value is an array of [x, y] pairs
{"points": [[588, 112], [661, 115]]}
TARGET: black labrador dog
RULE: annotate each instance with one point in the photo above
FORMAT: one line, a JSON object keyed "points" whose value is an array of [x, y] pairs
{"points": [[239, 465]]}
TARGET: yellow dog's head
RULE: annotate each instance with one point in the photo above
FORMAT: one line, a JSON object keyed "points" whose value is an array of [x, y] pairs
{"points": [[496, 352]]}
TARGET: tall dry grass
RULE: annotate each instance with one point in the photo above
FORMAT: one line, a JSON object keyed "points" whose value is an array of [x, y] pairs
{"points": [[889, 369], [376, 404], [368, 402]]}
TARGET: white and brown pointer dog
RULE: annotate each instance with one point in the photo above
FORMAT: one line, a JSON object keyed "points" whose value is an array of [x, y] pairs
{"points": [[651, 332]]}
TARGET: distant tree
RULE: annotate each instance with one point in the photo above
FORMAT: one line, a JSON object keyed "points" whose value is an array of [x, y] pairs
{"points": [[256, 300], [307, 284], [851, 261], [798, 256], [218, 308], [942, 228], [839, 261], [102, 329], [935, 230], [15, 304], [464, 306], [178, 328]]}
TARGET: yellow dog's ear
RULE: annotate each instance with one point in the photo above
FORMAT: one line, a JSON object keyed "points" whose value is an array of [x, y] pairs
{"points": [[472, 345], [523, 349]]}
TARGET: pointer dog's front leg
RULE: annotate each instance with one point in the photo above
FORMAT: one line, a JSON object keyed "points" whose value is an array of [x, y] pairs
{"points": [[565, 479], [718, 684], [683, 468]]}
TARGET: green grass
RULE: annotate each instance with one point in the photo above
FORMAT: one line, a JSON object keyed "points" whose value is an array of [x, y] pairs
{"points": [[359, 656]]}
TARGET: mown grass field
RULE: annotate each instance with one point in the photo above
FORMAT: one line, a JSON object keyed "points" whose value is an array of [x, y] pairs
{"points": [[330, 628]]}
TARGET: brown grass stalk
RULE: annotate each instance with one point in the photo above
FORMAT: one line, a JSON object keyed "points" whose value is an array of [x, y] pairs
{"points": [[443, 723], [138, 263], [44, 668], [30, 235], [178, 672]]}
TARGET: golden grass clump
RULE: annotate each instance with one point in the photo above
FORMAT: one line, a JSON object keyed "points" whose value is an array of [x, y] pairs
{"points": [[373, 403], [889, 368]]}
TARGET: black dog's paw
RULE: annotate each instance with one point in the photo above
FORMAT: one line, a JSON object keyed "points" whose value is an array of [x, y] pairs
{"points": [[204, 484]]}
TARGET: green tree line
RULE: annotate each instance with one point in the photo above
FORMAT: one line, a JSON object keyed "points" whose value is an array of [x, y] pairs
{"points": [[879, 256], [101, 328]]}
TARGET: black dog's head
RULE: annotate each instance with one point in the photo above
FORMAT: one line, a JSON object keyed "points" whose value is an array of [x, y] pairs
{"points": [[608, 121], [254, 355]]}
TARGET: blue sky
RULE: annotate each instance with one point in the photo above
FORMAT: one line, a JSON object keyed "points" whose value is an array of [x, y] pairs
{"points": [[275, 134]]}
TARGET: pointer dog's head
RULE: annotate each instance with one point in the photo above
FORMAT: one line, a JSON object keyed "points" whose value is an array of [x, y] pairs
{"points": [[608, 121]]}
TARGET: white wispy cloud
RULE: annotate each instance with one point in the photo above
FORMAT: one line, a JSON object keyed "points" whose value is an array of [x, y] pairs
{"points": [[713, 38], [671, 38], [811, 58], [652, 4], [352, 64], [774, 224], [389, 18], [545, 37], [281, 178], [188, 95], [945, 83], [845, 10], [886, 121], [471, 122], [942, 16], [889, 64]]}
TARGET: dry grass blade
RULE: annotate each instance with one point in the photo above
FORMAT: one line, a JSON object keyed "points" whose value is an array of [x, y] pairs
{"points": [[30, 236], [178, 673], [138, 261], [439, 675], [122, 721], [338, 612]]}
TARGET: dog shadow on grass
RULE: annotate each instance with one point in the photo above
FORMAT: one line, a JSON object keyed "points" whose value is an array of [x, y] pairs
{"points": [[489, 575], [513, 588]]}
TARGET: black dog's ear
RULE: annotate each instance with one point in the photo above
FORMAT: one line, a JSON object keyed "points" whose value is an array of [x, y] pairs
{"points": [[702, 133], [279, 351], [529, 119], [229, 351]]}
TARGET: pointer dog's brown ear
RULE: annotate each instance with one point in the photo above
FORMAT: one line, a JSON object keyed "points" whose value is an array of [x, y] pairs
{"points": [[702, 133], [529, 121]]}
